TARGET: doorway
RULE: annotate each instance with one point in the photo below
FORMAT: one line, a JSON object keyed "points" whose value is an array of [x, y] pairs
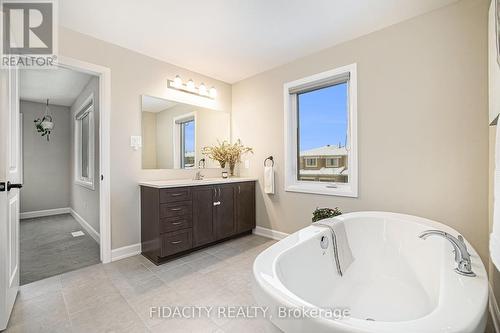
{"points": [[59, 202], [11, 175]]}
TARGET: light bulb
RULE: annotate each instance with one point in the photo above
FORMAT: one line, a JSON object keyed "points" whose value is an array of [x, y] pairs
{"points": [[213, 92], [190, 85], [202, 89], [177, 81]]}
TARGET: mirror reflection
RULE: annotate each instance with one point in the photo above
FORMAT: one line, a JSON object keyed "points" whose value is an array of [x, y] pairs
{"points": [[174, 134]]}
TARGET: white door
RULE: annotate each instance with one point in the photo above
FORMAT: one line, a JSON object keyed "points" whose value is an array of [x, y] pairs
{"points": [[10, 176]]}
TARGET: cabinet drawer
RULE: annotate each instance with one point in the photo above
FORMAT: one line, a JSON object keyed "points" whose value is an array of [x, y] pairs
{"points": [[175, 242], [175, 195], [175, 209], [169, 224]]}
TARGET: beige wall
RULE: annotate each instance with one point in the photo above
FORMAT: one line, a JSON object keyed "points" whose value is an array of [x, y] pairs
{"points": [[494, 274], [132, 75], [494, 109], [149, 140], [422, 119], [85, 201], [46, 183], [212, 127]]}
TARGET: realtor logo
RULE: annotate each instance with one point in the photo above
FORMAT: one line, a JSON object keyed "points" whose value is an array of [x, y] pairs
{"points": [[28, 33]]}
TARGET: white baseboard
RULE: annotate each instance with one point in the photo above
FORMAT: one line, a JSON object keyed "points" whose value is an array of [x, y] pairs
{"points": [[269, 233], [46, 212], [85, 225], [125, 252], [494, 310]]}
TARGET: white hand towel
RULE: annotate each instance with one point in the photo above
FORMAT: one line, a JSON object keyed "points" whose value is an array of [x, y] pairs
{"points": [[495, 234], [269, 180]]}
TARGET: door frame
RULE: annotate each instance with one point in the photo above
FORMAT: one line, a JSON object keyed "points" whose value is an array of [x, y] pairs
{"points": [[104, 75]]}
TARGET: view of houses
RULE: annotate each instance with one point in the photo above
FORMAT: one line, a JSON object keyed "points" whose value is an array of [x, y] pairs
{"points": [[324, 164]]}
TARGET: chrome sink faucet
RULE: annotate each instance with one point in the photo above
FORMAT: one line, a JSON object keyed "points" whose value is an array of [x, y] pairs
{"points": [[462, 257], [198, 176]]}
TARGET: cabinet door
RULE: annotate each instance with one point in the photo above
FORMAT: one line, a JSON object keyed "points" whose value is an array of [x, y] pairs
{"points": [[203, 226], [224, 211], [245, 206]]}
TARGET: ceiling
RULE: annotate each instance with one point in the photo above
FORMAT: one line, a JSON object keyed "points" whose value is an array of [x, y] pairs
{"points": [[232, 40], [61, 86], [154, 104]]}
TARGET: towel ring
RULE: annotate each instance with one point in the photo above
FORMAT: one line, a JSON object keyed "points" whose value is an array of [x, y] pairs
{"points": [[270, 158]]}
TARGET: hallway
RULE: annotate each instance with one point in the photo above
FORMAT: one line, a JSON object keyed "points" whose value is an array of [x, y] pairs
{"points": [[48, 248]]}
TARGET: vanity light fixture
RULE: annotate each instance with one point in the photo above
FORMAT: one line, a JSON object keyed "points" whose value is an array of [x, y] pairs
{"points": [[202, 90], [177, 82], [191, 88], [213, 92]]}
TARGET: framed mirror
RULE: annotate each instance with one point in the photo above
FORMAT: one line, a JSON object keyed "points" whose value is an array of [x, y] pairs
{"points": [[174, 133]]}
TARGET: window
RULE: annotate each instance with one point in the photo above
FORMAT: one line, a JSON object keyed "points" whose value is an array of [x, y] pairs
{"points": [[184, 141], [333, 162], [311, 162], [84, 145], [187, 144], [320, 114]]}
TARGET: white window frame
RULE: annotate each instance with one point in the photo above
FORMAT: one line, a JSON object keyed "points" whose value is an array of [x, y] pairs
{"points": [[177, 147], [310, 165], [87, 107], [292, 184], [332, 165]]}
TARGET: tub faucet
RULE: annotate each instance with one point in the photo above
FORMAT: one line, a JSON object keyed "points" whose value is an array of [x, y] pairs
{"points": [[198, 176], [334, 245], [462, 257]]}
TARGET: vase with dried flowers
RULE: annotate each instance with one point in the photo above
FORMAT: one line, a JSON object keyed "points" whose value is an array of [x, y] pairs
{"points": [[217, 152], [226, 153], [234, 153]]}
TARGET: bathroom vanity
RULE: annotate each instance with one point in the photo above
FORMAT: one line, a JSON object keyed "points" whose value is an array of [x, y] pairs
{"points": [[180, 216]]}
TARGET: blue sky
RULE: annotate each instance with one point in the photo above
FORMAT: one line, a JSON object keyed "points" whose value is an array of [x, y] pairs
{"points": [[323, 117], [189, 136]]}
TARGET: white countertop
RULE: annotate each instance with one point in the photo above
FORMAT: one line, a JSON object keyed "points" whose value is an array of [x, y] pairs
{"points": [[191, 182]]}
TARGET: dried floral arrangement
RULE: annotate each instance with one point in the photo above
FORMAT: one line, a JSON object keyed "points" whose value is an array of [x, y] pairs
{"points": [[226, 153]]}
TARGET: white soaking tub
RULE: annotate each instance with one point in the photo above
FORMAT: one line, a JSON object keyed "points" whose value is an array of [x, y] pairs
{"points": [[398, 282]]}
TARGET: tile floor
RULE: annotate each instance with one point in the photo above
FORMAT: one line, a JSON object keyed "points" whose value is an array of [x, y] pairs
{"points": [[117, 297], [48, 248]]}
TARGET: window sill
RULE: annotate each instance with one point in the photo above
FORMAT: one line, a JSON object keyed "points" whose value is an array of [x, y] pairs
{"points": [[86, 184], [323, 189]]}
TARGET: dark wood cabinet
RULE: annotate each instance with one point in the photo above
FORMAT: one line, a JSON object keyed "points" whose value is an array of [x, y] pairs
{"points": [[203, 227], [245, 206], [176, 221], [223, 211]]}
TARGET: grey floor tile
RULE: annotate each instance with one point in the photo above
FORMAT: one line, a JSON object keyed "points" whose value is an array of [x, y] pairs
{"points": [[118, 297], [48, 248], [41, 311]]}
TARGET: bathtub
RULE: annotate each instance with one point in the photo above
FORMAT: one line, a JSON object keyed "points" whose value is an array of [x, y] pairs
{"points": [[398, 283]]}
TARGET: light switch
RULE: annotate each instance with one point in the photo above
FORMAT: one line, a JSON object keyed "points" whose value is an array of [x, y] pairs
{"points": [[135, 142]]}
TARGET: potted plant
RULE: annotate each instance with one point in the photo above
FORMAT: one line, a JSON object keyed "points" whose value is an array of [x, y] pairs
{"points": [[325, 213], [45, 124]]}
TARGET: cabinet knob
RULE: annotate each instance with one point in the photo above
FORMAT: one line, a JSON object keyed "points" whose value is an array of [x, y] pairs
{"points": [[217, 203]]}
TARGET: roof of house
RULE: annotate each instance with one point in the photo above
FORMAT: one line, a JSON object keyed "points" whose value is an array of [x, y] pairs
{"points": [[327, 150], [324, 172]]}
